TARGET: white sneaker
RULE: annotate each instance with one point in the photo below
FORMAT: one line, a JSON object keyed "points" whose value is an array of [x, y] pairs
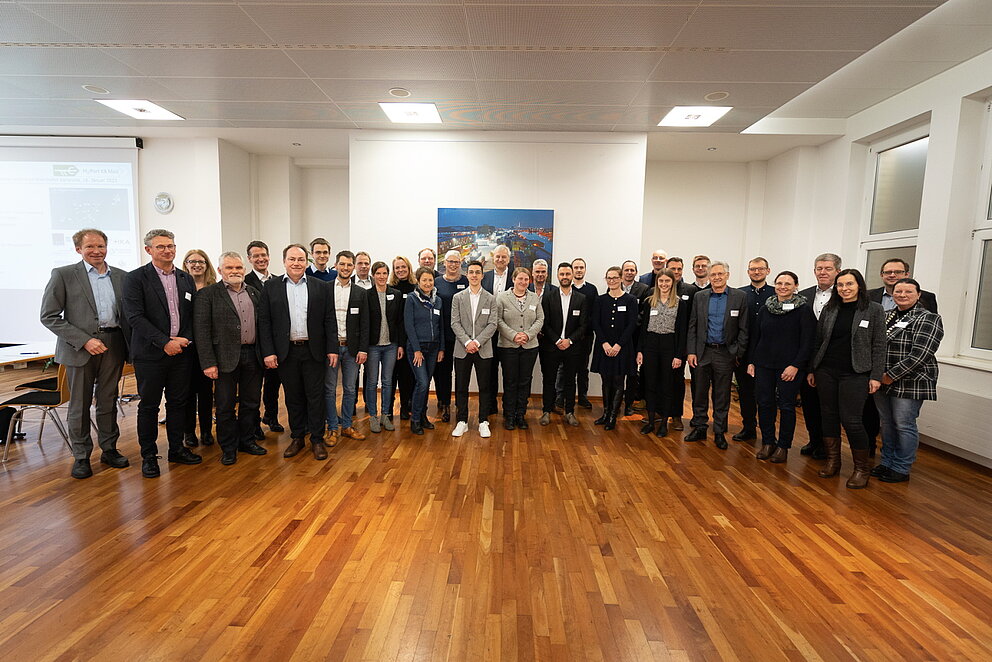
{"points": [[484, 430], [460, 429]]}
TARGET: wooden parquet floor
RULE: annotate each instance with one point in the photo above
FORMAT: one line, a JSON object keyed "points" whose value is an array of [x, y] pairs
{"points": [[554, 543]]}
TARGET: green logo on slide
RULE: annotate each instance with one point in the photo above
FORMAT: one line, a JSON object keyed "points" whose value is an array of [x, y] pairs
{"points": [[65, 170]]}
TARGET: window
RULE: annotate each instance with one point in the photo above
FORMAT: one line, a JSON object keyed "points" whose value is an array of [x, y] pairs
{"points": [[877, 257], [898, 190], [981, 337]]}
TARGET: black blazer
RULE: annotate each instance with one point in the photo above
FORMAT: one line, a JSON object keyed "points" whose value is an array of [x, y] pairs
{"points": [[681, 326], [356, 331], [217, 327], [273, 320], [147, 311], [489, 277], [927, 299], [394, 316], [576, 325], [256, 282]]}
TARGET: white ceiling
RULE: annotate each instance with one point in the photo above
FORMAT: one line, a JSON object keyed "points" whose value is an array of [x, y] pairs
{"points": [[244, 69]]}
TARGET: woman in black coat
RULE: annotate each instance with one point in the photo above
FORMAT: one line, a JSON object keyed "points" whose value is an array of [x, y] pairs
{"points": [[402, 280], [661, 349], [780, 347], [614, 320], [387, 339]]}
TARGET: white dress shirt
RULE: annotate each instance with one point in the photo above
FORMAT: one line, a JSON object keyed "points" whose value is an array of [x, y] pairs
{"points": [[820, 300], [342, 295], [499, 282], [298, 298], [565, 300]]}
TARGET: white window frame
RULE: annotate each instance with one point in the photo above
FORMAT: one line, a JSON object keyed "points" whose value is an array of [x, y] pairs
{"points": [[984, 210], [895, 140], [979, 237], [888, 242]]}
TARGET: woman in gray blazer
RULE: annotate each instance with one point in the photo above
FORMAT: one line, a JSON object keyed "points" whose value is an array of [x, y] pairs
{"points": [[847, 366], [519, 318]]}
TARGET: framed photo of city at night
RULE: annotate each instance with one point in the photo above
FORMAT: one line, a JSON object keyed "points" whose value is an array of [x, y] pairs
{"points": [[474, 233]]}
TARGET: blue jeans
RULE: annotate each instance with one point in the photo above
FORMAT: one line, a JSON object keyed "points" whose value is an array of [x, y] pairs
{"points": [[349, 389], [900, 436], [384, 355], [422, 380]]}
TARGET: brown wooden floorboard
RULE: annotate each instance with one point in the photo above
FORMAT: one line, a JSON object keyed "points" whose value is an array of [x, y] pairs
{"points": [[553, 543]]}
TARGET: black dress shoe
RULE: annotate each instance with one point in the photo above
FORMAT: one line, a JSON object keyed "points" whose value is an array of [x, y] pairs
{"points": [[207, 438], [509, 423], [720, 441], [522, 423], [251, 448], [602, 419], [647, 428], [416, 428], [228, 458], [184, 456], [275, 426], [445, 414], [879, 470], [190, 440], [819, 454], [149, 467], [809, 448], [894, 477], [259, 435], [114, 459], [404, 416], [745, 435], [663, 428], [426, 424], [584, 402], [697, 434], [81, 469]]}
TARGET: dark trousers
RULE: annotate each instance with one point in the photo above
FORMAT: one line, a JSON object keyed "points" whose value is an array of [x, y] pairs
{"points": [[200, 401], [658, 376], [104, 372], [746, 395], [442, 377], [270, 393], [303, 383], [168, 375], [633, 390], [842, 403], [518, 371], [811, 413], [678, 390], [582, 371], [494, 371], [872, 422], [558, 364], [463, 376], [715, 371], [776, 396], [242, 389], [403, 383]]}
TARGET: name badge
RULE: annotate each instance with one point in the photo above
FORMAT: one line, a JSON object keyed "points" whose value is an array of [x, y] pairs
{"points": [[485, 311], [685, 297], [863, 324], [437, 312], [653, 312], [354, 311], [788, 306], [460, 286], [621, 309], [532, 307], [189, 297], [902, 325], [404, 296], [390, 297], [575, 313], [735, 313]]}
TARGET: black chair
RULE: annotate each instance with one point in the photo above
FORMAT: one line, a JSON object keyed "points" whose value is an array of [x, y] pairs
{"points": [[45, 401]]}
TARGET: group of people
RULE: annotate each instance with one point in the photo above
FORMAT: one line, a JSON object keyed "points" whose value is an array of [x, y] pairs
{"points": [[231, 344]]}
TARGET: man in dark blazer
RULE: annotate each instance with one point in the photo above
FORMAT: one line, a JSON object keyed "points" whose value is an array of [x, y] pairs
{"points": [[631, 284], [82, 307], [158, 305], [225, 330], [351, 310], [298, 334], [257, 277], [717, 340], [634, 387], [658, 260], [499, 278], [566, 317], [757, 291]]}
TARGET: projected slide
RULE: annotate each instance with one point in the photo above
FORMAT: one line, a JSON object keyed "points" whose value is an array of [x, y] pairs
{"points": [[44, 203]]}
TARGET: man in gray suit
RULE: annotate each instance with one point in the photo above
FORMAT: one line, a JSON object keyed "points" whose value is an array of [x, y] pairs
{"points": [[717, 340], [473, 321], [82, 306]]}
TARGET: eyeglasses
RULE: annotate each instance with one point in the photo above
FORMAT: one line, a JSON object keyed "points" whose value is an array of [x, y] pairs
{"points": [[613, 278], [164, 247], [893, 273], [196, 263]]}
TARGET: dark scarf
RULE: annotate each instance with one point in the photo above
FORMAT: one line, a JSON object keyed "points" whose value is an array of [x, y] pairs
{"points": [[774, 306]]}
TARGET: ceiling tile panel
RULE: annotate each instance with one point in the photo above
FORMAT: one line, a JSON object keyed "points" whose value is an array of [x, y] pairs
{"points": [[796, 28], [279, 124], [19, 25], [255, 63], [407, 25], [386, 65], [534, 114], [242, 89], [238, 110], [752, 66], [66, 61], [348, 90], [558, 65], [153, 23], [556, 92], [741, 94], [598, 25], [71, 87], [26, 108]]}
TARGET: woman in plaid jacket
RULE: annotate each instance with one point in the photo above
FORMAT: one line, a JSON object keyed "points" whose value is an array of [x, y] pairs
{"points": [[913, 335]]}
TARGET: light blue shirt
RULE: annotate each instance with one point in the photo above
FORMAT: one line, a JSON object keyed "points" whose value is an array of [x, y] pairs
{"points": [[103, 294], [714, 318], [888, 303], [298, 298]]}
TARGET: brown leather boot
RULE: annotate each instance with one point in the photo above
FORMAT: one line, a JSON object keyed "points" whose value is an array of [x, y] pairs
{"points": [[765, 452], [780, 456], [832, 465], [862, 469], [295, 446], [319, 449]]}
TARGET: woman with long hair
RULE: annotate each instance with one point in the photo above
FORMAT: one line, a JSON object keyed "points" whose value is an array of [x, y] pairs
{"points": [[614, 357], [661, 349], [201, 389], [401, 279], [387, 336]]}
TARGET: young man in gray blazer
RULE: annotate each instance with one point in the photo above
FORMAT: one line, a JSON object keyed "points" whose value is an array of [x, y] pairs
{"points": [[717, 340], [82, 306], [473, 321]]}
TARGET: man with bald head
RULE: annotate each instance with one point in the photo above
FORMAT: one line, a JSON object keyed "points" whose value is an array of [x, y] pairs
{"points": [[498, 280], [658, 259]]}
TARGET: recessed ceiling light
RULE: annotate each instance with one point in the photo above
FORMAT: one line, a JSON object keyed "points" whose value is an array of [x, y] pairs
{"points": [[96, 89], [140, 109], [716, 96], [711, 149], [694, 115], [400, 92], [297, 144], [410, 113]]}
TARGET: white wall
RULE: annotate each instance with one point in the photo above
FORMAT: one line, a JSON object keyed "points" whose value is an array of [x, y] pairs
{"points": [[325, 207], [235, 197]]}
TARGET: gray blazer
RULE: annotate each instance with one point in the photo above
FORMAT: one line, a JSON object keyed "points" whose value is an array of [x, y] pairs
{"points": [[511, 321], [481, 329], [68, 309], [734, 324], [867, 343], [217, 327]]}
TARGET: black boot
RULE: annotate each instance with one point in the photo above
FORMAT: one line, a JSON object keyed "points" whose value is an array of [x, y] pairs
{"points": [[648, 427], [614, 409], [607, 398]]}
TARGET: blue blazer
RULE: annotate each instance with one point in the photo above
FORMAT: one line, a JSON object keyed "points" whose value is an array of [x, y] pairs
{"points": [[422, 325]]}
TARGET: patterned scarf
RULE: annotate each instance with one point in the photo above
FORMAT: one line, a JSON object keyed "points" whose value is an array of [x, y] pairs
{"points": [[775, 307]]}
